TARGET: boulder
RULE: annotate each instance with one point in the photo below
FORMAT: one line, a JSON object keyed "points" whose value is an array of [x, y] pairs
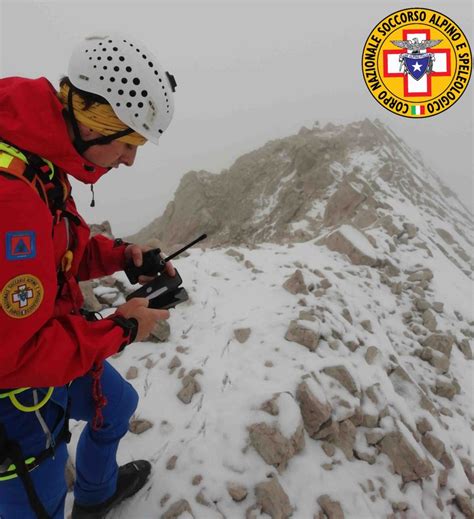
{"points": [[421, 275], [314, 412], [371, 354], [273, 447], [132, 373], [91, 303], [302, 335], [343, 437], [353, 243], [138, 426], [429, 320], [342, 375], [176, 509], [295, 283], [272, 499], [433, 445], [405, 459], [160, 333], [332, 509], [440, 342], [190, 387], [237, 492], [342, 204], [465, 505], [446, 389], [242, 334]]}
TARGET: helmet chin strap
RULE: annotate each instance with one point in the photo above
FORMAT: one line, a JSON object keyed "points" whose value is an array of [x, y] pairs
{"points": [[82, 145]]}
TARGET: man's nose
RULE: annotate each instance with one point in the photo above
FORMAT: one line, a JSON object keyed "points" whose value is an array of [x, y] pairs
{"points": [[128, 156]]}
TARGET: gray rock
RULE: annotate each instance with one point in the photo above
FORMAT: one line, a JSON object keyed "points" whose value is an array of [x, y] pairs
{"points": [[138, 426], [132, 373], [344, 438], [446, 389], [242, 334], [406, 461], [465, 348], [347, 315], [160, 333], [433, 445], [421, 275], [325, 284], [235, 254], [307, 315], [271, 406], [171, 463], [423, 426], [367, 325], [314, 412], [467, 466], [273, 447], [332, 509], [176, 509], [237, 492], [295, 284], [429, 320], [174, 363], [422, 305], [342, 204], [342, 375], [91, 302], [410, 229], [273, 500], [190, 387], [440, 342], [302, 335], [373, 437], [338, 242], [371, 354], [464, 504], [438, 307]]}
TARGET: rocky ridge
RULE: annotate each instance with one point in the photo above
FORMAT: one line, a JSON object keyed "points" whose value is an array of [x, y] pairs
{"points": [[327, 374]]}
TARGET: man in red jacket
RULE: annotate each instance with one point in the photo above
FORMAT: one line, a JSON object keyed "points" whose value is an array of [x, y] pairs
{"points": [[52, 357]]}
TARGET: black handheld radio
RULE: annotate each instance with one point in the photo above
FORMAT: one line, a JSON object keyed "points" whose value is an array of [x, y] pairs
{"points": [[163, 291]]}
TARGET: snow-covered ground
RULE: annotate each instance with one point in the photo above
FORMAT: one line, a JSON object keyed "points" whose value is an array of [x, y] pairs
{"points": [[210, 435]]}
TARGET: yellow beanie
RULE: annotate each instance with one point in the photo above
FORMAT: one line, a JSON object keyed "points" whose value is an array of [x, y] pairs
{"points": [[99, 117]]}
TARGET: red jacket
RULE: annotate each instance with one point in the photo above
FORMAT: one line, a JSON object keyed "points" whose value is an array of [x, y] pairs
{"points": [[45, 341]]}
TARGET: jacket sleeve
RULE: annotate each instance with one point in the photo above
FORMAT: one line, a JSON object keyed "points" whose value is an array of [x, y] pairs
{"points": [[38, 349], [102, 257]]}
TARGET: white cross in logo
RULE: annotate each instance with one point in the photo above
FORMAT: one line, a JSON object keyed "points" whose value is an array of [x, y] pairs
{"points": [[22, 296], [422, 87]]}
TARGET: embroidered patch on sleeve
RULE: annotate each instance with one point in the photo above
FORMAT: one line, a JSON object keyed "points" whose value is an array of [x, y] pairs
{"points": [[21, 245], [21, 296]]}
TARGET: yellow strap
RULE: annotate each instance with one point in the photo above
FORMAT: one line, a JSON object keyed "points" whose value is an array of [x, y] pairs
{"points": [[10, 150], [30, 409], [66, 260], [5, 159], [14, 392], [28, 461]]}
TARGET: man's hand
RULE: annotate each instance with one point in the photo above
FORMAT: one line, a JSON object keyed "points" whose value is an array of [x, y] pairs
{"points": [[146, 317], [135, 253]]}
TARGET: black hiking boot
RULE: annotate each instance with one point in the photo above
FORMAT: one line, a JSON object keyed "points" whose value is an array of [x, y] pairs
{"points": [[131, 478]]}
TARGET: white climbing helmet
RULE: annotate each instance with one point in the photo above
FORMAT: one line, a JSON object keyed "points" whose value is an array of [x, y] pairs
{"points": [[125, 73]]}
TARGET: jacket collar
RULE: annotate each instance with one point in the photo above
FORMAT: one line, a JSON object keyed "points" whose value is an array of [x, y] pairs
{"points": [[31, 117]]}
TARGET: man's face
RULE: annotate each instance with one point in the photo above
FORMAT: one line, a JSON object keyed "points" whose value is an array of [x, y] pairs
{"points": [[107, 155]]}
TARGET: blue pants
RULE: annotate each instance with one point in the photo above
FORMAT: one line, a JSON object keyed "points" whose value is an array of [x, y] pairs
{"points": [[96, 466]]}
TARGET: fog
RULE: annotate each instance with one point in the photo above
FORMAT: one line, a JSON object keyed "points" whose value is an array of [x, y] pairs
{"points": [[247, 72]]}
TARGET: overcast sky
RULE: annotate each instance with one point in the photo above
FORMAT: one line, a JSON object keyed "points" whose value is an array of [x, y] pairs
{"points": [[247, 72]]}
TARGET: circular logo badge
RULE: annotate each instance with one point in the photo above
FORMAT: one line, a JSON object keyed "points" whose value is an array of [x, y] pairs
{"points": [[417, 62], [21, 296]]}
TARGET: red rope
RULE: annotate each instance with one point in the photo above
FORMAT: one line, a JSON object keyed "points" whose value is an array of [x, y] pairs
{"points": [[99, 399]]}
